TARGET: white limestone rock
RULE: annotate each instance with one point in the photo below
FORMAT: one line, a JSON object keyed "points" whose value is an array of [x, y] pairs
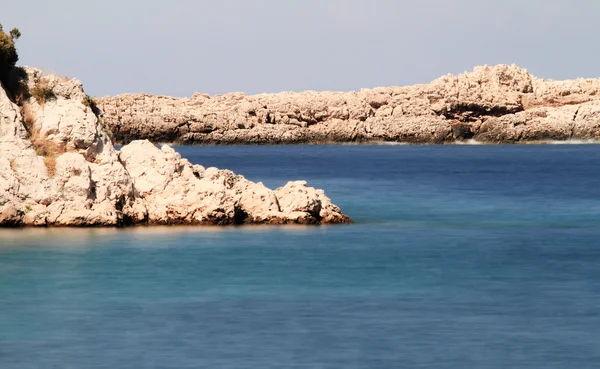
{"points": [[450, 108], [177, 192], [58, 167]]}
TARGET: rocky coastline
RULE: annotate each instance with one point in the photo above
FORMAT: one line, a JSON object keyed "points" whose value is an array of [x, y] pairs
{"points": [[497, 104], [58, 167]]}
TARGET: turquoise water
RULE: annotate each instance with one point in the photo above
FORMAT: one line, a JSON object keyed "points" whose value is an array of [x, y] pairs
{"points": [[461, 257]]}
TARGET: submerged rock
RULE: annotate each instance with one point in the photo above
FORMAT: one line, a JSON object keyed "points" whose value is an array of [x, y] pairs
{"points": [[475, 105], [58, 167]]}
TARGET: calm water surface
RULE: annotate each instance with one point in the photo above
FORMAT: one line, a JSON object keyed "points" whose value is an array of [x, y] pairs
{"points": [[461, 257]]}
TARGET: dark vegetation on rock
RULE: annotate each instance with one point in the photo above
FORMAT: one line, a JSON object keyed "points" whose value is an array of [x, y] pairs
{"points": [[8, 51]]}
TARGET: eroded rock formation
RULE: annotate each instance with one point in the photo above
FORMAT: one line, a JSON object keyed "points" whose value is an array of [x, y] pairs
{"points": [[490, 104], [59, 168]]}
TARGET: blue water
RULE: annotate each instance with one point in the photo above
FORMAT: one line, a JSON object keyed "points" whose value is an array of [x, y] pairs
{"points": [[461, 257]]}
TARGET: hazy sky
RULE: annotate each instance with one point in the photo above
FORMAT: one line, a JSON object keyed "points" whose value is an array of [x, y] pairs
{"points": [[177, 47]]}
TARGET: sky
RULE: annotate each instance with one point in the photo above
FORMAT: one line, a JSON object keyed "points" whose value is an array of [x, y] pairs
{"points": [[179, 47]]}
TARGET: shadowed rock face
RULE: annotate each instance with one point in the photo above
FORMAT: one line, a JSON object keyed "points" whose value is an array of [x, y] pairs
{"points": [[59, 168], [484, 104]]}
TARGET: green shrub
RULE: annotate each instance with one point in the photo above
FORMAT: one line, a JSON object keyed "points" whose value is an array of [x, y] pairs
{"points": [[16, 83], [108, 132], [89, 101], [42, 92], [106, 128], [8, 52], [15, 34], [14, 78]]}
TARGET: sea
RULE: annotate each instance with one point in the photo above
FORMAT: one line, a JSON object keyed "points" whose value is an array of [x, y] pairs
{"points": [[460, 257]]}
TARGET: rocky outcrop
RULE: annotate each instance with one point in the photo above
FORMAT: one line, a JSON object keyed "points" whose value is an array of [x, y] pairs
{"points": [[490, 104], [58, 167]]}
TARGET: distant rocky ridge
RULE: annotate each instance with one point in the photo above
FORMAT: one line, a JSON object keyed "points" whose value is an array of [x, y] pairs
{"points": [[499, 104], [58, 167]]}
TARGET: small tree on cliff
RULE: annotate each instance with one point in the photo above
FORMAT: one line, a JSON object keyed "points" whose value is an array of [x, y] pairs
{"points": [[15, 34], [8, 52]]}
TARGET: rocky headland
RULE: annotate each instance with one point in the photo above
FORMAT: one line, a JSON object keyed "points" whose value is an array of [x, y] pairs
{"points": [[498, 104], [58, 167]]}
